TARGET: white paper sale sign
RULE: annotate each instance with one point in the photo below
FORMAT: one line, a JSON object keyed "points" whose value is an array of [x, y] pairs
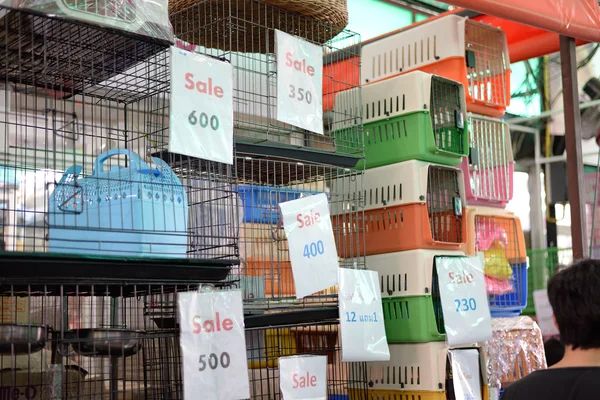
{"points": [[313, 253], [303, 377], [464, 300], [201, 119], [465, 371], [299, 82], [361, 316], [213, 345]]}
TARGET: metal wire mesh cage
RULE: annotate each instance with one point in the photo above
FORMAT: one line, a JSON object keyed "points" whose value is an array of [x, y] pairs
{"points": [[415, 370], [498, 235], [84, 127], [458, 48], [409, 205], [263, 183], [242, 33], [413, 116], [489, 169], [412, 309]]}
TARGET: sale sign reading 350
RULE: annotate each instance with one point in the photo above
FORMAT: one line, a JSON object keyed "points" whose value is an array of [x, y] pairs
{"points": [[201, 119], [313, 253], [213, 345]]}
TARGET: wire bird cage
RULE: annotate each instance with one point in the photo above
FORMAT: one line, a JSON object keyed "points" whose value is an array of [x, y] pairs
{"points": [[543, 264], [266, 345], [263, 183], [489, 168], [409, 205], [421, 370], [457, 48], [412, 308], [84, 132], [413, 116], [242, 33], [497, 234], [91, 341]]}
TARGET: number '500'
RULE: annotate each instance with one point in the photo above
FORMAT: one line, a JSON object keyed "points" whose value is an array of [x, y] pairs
{"points": [[203, 119], [213, 361]]}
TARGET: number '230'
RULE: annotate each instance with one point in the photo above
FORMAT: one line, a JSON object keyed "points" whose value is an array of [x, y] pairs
{"points": [[465, 304]]}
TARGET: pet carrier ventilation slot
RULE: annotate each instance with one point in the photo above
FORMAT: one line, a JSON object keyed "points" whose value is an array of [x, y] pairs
{"points": [[416, 371], [410, 294], [422, 209], [471, 52], [414, 116], [498, 236], [489, 168]]}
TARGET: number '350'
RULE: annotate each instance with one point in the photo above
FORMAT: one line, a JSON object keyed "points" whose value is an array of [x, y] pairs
{"points": [[300, 94], [465, 304], [213, 361]]}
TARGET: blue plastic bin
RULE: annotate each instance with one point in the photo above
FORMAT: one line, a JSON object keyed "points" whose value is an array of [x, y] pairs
{"points": [[126, 211], [512, 304], [261, 203]]}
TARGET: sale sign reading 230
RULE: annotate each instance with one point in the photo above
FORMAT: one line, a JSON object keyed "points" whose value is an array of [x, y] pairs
{"points": [[313, 253]]}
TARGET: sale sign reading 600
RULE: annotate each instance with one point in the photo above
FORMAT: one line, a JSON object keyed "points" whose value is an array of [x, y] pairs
{"points": [[213, 345], [201, 119]]}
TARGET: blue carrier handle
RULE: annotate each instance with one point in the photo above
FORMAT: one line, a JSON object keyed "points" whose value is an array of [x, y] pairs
{"points": [[135, 161]]}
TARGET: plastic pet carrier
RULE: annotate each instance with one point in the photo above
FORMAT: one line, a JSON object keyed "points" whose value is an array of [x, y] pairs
{"points": [[410, 205], [498, 235], [132, 210], [415, 371], [414, 116], [489, 169], [471, 52], [412, 308]]}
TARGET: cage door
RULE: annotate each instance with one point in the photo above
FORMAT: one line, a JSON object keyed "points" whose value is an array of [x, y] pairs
{"points": [[444, 205], [447, 118]]}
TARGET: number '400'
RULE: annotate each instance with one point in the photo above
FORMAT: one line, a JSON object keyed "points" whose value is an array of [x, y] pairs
{"points": [[213, 361], [314, 249]]}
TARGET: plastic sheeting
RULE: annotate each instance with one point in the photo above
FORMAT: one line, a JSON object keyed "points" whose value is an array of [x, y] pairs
{"points": [[515, 350]]}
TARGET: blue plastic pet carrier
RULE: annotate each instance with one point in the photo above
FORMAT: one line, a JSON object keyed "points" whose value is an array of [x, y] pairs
{"points": [[125, 211]]}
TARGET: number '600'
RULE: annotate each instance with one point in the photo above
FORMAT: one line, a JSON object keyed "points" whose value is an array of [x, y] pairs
{"points": [[204, 120], [213, 361]]}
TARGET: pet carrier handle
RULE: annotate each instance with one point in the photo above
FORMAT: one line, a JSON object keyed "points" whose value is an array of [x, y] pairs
{"points": [[135, 161]]}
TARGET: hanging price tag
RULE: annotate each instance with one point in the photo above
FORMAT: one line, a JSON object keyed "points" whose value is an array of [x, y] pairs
{"points": [[213, 345], [464, 300], [361, 316], [201, 119], [466, 374], [313, 254], [303, 377], [299, 82]]}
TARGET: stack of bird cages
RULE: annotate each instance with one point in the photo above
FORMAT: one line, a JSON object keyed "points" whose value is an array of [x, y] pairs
{"points": [[471, 52], [497, 236], [489, 168], [417, 116], [242, 32], [85, 126], [419, 371], [264, 183]]}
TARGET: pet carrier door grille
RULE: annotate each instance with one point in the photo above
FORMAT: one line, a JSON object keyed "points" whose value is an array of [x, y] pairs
{"points": [[444, 205], [447, 115]]}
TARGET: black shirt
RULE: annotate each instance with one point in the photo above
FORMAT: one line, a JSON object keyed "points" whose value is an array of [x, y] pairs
{"points": [[581, 383]]}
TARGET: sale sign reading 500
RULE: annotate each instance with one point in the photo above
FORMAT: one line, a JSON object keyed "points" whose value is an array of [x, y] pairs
{"points": [[201, 119], [313, 254]]}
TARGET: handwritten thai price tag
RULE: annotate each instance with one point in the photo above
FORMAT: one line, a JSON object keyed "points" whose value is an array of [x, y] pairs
{"points": [[213, 345], [466, 374], [299, 82], [303, 377], [201, 119], [313, 254], [361, 316], [464, 300]]}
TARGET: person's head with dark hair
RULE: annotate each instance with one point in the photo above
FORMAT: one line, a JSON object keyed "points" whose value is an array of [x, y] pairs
{"points": [[574, 294], [554, 350]]}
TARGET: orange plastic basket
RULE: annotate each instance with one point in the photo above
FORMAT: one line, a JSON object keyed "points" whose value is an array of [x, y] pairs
{"points": [[403, 227]]}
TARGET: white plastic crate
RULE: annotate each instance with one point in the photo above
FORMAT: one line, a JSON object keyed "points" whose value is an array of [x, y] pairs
{"points": [[480, 49], [413, 367], [407, 273], [402, 183]]}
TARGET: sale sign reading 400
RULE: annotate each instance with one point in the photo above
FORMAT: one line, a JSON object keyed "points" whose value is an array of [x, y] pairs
{"points": [[201, 119]]}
